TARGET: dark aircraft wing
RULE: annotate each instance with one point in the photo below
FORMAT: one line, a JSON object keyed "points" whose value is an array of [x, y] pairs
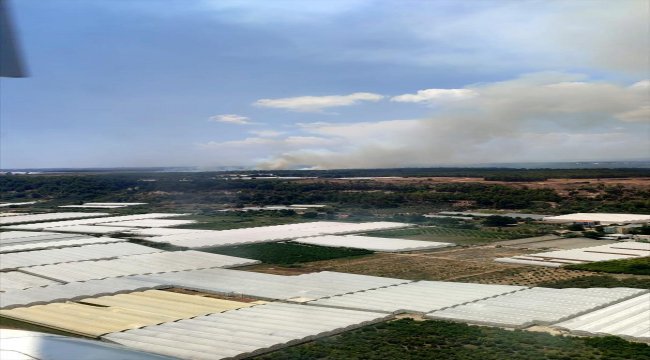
{"points": [[10, 61]]}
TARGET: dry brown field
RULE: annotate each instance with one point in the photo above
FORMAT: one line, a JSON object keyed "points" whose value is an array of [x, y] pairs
{"points": [[473, 264], [557, 184]]}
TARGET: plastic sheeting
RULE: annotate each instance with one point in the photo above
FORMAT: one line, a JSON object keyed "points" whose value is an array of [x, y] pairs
{"points": [[92, 229], [7, 237], [417, 297], [603, 218], [47, 217], [138, 264], [71, 254], [55, 224], [53, 244], [18, 280], [38, 294], [372, 243], [268, 286], [149, 223], [244, 332], [629, 319], [615, 251], [270, 233], [536, 306], [97, 316]]}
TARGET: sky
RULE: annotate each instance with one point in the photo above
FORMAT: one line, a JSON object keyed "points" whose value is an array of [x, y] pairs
{"points": [[321, 84]]}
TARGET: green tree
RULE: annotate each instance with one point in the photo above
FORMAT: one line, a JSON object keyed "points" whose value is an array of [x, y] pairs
{"points": [[499, 221]]}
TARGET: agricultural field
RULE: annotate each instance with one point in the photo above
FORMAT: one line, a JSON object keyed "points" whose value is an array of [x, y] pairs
{"points": [[605, 281], [527, 276], [287, 253], [404, 200], [455, 235], [433, 265], [445, 340], [239, 220], [640, 266], [543, 191]]}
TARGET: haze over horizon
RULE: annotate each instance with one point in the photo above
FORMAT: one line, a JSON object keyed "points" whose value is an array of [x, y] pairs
{"points": [[326, 84]]}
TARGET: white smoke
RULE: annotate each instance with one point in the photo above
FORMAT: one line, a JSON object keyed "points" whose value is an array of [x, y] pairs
{"points": [[539, 117]]}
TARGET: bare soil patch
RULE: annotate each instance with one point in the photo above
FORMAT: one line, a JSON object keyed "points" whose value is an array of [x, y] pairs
{"points": [[554, 243], [524, 276], [439, 265]]}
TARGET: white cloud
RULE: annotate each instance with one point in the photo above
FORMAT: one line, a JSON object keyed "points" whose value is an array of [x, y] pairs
{"points": [[641, 114], [381, 132], [435, 95], [317, 103], [537, 117], [470, 36], [281, 11], [267, 133], [643, 85], [289, 142], [231, 119]]}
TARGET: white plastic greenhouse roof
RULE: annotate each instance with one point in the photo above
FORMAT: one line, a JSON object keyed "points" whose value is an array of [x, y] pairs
{"points": [[23, 203], [603, 218], [71, 254], [47, 217], [5, 213], [57, 292], [270, 233], [540, 306], [160, 262], [16, 280], [91, 229], [615, 251], [53, 244], [150, 223], [631, 245], [418, 297], [164, 231], [101, 205], [245, 332], [268, 286], [55, 224], [102, 315], [29, 345], [372, 243], [11, 236], [115, 203], [629, 319], [8, 238]]}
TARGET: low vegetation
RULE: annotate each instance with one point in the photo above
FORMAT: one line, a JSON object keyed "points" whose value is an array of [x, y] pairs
{"points": [[210, 191], [457, 235], [408, 339], [604, 281], [238, 220], [287, 253], [639, 266]]}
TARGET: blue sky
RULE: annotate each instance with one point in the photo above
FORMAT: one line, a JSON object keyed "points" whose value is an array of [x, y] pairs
{"points": [[326, 84]]}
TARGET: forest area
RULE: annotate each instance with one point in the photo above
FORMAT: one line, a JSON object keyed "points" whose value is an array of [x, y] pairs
{"points": [[211, 191]]}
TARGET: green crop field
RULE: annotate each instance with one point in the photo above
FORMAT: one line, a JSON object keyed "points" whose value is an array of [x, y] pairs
{"points": [[237, 220], [603, 281], [640, 266], [287, 253], [407, 339], [438, 233]]}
